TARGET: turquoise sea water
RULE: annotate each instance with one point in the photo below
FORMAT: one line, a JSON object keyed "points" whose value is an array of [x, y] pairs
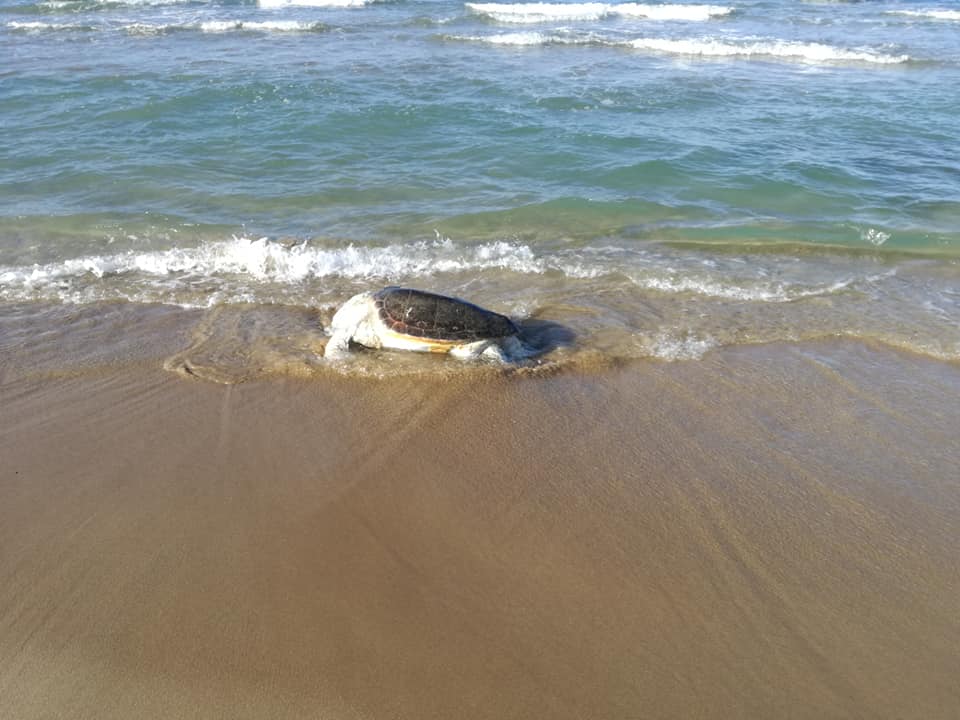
{"points": [[659, 178]]}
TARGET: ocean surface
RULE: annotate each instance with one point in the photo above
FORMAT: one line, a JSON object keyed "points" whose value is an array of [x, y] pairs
{"points": [[645, 180]]}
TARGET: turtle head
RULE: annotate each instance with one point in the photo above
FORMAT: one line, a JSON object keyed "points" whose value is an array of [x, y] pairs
{"points": [[351, 315]]}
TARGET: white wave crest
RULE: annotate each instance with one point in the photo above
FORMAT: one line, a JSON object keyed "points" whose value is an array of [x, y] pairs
{"points": [[76, 6], [220, 26], [794, 50], [150, 29], [139, 28], [671, 12], [538, 12], [267, 261], [519, 39], [241, 269], [521, 13], [776, 49], [932, 14], [145, 2], [273, 4], [35, 26]]}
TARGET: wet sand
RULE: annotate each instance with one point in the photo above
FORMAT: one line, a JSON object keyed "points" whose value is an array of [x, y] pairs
{"points": [[769, 531]]}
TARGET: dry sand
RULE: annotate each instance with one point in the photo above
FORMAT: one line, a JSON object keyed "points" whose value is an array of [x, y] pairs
{"points": [[768, 532]]}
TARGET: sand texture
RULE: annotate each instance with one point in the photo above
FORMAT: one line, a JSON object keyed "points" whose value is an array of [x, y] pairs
{"points": [[766, 532]]}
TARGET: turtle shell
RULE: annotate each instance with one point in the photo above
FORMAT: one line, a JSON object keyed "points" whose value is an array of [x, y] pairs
{"points": [[437, 317]]}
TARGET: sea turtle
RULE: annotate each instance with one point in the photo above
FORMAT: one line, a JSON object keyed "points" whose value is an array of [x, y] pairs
{"points": [[405, 319]]}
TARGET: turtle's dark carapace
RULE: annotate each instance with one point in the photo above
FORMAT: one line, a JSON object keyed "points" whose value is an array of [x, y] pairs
{"points": [[423, 314]]}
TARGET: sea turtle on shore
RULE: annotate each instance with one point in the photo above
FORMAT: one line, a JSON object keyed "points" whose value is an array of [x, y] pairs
{"points": [[405, 319]]}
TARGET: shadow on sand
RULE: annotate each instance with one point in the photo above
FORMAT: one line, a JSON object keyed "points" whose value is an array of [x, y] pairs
{"points": [[544, 336]]}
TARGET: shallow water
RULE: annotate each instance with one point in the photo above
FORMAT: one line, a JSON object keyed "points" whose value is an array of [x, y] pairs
{"points": [[658, 180]]}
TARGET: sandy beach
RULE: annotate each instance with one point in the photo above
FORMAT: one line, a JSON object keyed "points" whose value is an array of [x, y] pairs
{"points": [[769, 531]]}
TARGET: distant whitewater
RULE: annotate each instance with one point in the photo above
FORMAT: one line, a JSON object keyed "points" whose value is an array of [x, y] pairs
{"points": [[699, 47], [930, 14], [275, 4], [803, 51], [552, 12], [139, 28]]}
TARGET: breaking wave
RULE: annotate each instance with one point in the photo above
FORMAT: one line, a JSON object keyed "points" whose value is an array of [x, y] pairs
{"points": [[272, 4], [702, 47], [216, 26], [36, 26], [931, 14], [550, 12], [789, 49], [244, 270], [80, 5], [263, 260], [139, 28], [519, 39], [619, 301]]}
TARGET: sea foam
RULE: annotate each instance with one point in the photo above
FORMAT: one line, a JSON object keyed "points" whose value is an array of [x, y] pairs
{"points": [[932, 14], [148, 29], [519, 38], [36, 26], [272, 4], [552, 12], [241, 267], [145, 2], [787, 49], [219, 26], [267, 261], [698, 47], [679, 346]]}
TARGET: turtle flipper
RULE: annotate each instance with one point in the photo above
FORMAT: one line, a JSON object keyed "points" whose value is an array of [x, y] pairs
{"points": [[338, 346]]}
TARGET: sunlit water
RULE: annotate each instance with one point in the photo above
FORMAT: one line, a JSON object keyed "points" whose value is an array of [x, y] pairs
{"points": [[657, 179]]}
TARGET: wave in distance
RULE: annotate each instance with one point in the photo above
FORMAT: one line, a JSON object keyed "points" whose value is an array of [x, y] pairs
{"points": [[211, 26], [273, 4], [550, 12], [931, 14], [809, 52]]}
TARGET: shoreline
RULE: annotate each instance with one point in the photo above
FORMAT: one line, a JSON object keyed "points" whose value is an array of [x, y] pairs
{"points": [[768, 530]]}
